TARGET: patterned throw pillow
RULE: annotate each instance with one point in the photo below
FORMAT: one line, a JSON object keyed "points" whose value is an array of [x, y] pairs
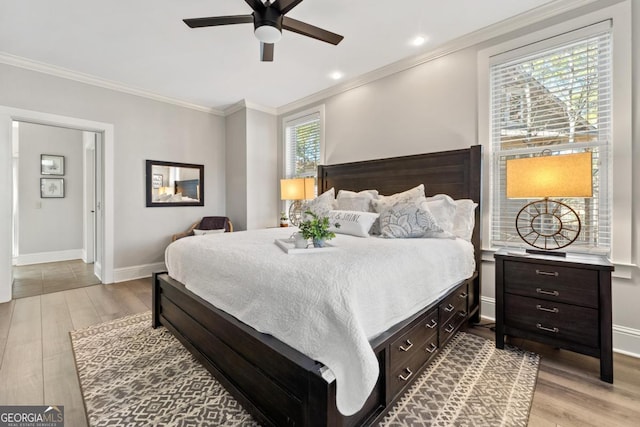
{"points": [[414, 195], [407, 220]]}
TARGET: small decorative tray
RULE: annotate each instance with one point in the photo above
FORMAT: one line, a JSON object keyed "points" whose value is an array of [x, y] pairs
{"points": [[289, 248]]}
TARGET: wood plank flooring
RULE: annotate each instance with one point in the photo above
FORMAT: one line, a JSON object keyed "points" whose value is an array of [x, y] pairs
{"points": [[37, 360], [37, 365]]}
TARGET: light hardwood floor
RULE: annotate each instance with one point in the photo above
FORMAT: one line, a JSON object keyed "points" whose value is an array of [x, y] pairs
{"points": [[38, 366]]}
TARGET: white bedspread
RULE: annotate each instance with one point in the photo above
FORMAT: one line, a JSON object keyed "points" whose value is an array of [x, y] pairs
{"points": [[326, 305]]}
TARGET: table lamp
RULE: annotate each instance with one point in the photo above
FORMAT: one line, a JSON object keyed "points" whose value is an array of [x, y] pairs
{"points": [[548, 224], [297, 189]]}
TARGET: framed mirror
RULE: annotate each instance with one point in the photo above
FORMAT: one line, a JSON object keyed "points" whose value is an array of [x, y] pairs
{"points": [[174, 184]]}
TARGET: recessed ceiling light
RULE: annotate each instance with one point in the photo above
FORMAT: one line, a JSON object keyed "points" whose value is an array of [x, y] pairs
{"points": [[336, 75], [418, 41]]}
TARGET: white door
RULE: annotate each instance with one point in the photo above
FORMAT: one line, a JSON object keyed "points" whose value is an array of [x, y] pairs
{"points": [[99, 206], [89, 199]]}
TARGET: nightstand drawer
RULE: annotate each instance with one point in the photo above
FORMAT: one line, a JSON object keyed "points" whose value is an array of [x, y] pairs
{"points": [[414, 341], [554, 283], [553, 319]]}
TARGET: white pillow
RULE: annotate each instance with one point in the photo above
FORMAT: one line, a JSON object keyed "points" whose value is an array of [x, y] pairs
{"points": [[321, 205], [198, 232], [465, 218], [443, 208], [407, 220], [355, 223], [352, 201], [414, 195]]}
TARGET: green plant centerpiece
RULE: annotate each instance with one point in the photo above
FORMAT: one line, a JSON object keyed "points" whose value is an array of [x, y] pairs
{"points": [[317, 229]]}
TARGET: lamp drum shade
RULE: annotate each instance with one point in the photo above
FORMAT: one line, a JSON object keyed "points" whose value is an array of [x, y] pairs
{"points": [[297, 188], [566, 175]]}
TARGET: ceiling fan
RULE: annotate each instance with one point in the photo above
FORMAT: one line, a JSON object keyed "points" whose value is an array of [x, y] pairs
{"points": [[268, 21]]}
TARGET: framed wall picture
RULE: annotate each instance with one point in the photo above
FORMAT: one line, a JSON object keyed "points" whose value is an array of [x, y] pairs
{"points": [[51, 188], [157, 180], [51, 164]]}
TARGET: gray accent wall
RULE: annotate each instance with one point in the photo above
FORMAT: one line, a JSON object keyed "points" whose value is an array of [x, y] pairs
{"points": [[49, 224]]}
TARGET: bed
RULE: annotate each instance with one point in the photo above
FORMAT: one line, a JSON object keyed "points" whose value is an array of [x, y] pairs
{"points": [[279, 385]]}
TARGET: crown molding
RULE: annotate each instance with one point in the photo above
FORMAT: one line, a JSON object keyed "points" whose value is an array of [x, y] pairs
{"points": [[533, 16], [29, 64], [242, 104]]}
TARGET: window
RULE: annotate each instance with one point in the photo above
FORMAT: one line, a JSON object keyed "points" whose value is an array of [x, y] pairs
{"points": [[302, 145], [555, 99]]}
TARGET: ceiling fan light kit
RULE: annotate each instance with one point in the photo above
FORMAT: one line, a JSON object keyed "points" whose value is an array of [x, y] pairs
{"points": [[268, 21], [268, 34]]}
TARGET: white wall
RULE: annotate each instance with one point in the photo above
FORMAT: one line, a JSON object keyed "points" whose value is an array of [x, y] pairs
{"points": [[262, 173], [236, 168], [252, 178], [143, 129], [433, 106], [405, 113], [49, 224]]}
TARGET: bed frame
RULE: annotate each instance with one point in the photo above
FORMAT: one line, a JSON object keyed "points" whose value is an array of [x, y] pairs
{"points": [[278, 385]]}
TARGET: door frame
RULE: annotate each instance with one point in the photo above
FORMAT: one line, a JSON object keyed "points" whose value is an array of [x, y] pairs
{"points": [[7, 116]]}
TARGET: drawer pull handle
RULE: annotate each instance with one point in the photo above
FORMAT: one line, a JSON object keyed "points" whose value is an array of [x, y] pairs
{"points": [[463, 295], [449, 308], [432, 325], [550, 310], [405, 378], [462, 314], [543, 292], [409, 345], [547, 273], [554, 330], [431, 348], [449, 328]]}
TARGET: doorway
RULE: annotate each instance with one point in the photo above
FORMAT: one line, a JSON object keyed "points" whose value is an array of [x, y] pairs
{"points": [[7, 116], [56, 243]]}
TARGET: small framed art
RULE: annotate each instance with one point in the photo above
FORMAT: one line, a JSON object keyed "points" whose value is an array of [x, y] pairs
{"points": [[51, 165], [51, 188]]}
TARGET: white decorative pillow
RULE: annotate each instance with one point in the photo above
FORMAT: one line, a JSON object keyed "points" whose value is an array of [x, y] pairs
{"points": [[352, 201], [198, 232], [465, 218], [406, 220], [443, 208], [355, 223], [321, 205], [414, 195]]}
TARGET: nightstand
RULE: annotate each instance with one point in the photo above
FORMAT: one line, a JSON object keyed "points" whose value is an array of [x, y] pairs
{"points": [[563, 302]]}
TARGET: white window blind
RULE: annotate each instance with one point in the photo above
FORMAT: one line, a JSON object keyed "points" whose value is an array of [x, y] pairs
{"points": [[556, 99], [302, 146]]}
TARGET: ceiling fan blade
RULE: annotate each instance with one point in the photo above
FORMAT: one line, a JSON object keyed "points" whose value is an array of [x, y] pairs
{"points": [[256, 5], [310, 30], [285, 6], [266, 52], [218, 20]]}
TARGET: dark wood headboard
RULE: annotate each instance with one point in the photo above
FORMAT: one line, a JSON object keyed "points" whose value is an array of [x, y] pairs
{"points": [[457, 173]]}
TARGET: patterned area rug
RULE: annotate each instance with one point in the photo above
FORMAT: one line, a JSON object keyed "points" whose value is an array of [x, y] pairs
{"points": [[131, 374]]}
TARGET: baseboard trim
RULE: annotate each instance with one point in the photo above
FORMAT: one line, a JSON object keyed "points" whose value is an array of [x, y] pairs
{"points": [[625, 340], [43, 257], [137, 271]]}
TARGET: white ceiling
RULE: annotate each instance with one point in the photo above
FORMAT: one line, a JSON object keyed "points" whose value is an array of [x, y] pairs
{"points": [[144, 44]]}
